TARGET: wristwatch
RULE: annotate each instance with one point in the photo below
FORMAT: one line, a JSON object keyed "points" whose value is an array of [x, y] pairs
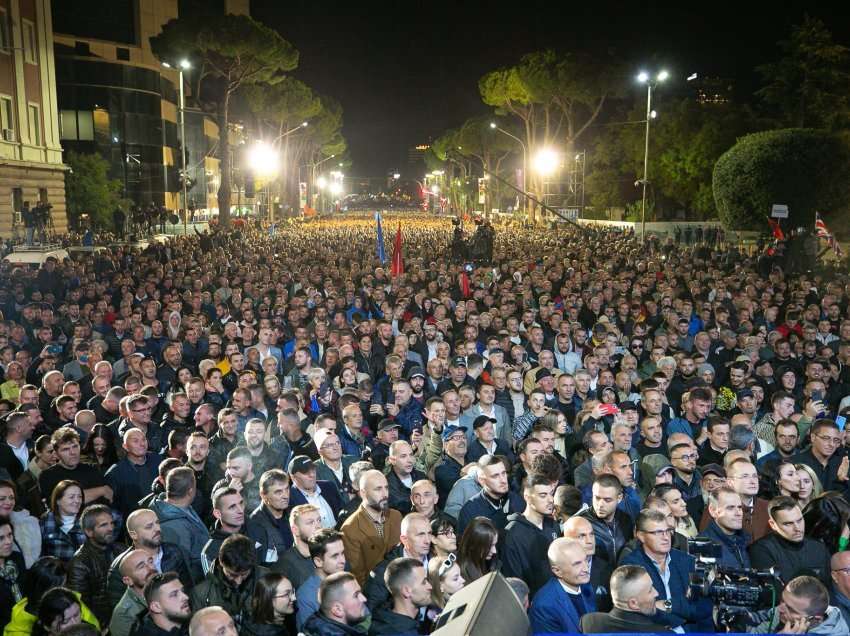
{"points": [[668, 605]]}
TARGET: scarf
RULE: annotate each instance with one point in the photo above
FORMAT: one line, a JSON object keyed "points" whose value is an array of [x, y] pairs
{"points": [[9, 574]]}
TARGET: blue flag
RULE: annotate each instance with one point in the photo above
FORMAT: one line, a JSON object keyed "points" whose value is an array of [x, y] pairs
{"points": [[382, 255]]}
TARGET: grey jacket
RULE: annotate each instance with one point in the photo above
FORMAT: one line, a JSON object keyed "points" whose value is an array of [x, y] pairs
{"points": [[183, 527], [463, 490], [129, 608]]}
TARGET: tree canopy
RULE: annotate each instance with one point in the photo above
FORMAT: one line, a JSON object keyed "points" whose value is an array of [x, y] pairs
{"points": [[229, 51], [89, 190], [805, 169]]}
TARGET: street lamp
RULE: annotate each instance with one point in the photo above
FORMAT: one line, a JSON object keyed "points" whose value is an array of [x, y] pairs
{"points": [[303, 124], [546, 161], [183, 65], [264, 161], [645, 78], [524, 156]]}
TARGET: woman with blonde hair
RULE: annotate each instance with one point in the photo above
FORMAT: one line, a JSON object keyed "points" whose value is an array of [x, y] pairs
{"points": [[810, 486], [445, 579]]}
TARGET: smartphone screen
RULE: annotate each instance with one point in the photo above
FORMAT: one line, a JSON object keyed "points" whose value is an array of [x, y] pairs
{"points": [[840, 421], [817, 396]]}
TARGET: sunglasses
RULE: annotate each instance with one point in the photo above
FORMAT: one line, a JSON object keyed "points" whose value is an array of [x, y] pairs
{"points": [[446, 565]]}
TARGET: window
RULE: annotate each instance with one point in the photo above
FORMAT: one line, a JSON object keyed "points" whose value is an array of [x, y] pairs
{"points": [[7, 119], [30, 48], [122, 53], [34, 116], [42, 195], [77, 125], [5, 40], [17, 204]]}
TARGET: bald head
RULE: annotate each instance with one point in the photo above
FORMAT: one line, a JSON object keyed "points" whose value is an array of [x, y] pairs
{"points": [[143, 529], [136, 568], [212, 621], [371, 478], [579, 529], [840, 566]]}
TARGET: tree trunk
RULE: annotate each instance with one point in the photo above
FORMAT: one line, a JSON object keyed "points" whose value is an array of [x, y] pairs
{"points": [[224, 162]]}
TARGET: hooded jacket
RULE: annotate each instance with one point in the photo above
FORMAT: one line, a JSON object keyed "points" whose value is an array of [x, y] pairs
{"points": [[833, 623], [183, 527], [524, 551], [216, 589], [23, 622]]}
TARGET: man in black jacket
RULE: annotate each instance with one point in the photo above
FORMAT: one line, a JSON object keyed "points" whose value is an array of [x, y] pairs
{"points": [[269, 525], [229, 515], [528, 535], [414, 542], [613, 528], [401, 475], [634, 608], [495, 501], [787, 548], [169, 610], [407, 581], [89, 566]]}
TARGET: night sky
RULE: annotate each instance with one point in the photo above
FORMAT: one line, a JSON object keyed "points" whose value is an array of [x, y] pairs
{"points": [[406, 71]]}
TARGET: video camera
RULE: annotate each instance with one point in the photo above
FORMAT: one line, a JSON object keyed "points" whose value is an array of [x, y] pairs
{"points": [[736, 593]]}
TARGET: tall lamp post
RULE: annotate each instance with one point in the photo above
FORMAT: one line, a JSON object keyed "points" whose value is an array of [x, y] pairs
{"points": [[645, 78], [184, 65], [524, 158]]}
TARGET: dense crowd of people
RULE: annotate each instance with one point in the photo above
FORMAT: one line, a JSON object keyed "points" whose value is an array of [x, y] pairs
{"points": [[267, 433]]}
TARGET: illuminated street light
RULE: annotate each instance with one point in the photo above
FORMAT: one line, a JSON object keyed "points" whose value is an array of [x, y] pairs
{"points": [[435, 189], [263, 159], [644, 78], [438, 173], [322, 182], [493, 125], [185, 65], [335, 188], [396, 175], [546, 161]]}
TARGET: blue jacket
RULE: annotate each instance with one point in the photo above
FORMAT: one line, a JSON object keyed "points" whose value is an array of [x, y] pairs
{"points": [[692, 614], [183, 527], [733, 547], [552, 612], [409, 417]]}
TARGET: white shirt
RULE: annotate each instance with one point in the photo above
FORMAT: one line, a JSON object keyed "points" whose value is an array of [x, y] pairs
{"points": [[328, 520], [22, 453]]}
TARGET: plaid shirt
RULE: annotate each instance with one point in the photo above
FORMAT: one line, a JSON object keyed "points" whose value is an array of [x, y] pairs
{"points": [[56, 542]]}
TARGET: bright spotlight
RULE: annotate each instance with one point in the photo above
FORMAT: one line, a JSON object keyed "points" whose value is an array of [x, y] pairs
{"points": [[263, 159], [663, 75], [336, 188], [493, 124], [642, 77], [653, 114], [322, 182], [546, 161], [396, 175], [184, 64]]}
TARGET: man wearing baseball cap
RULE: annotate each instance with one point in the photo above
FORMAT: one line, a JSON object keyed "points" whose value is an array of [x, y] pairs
{"points": [[485, 441], [457, 376], [307, 489], [453, 460]]}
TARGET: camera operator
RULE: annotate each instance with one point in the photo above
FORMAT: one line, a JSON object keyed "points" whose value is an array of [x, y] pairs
{"points": [[804, 609], [670, 570], [634, 610], [726, 528], [787, 549]]}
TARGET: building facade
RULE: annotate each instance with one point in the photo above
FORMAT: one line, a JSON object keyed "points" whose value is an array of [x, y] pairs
{"points": [[118, 100], [31, 168]]}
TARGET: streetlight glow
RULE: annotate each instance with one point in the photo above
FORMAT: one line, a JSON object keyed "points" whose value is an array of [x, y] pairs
{"points": [[396, 175], [305, 123], [642, 77], [184, 64], [335, 188], [321, 182], [493, 125], [263, 159], [435, 189], [546, 161], [663, 75]]}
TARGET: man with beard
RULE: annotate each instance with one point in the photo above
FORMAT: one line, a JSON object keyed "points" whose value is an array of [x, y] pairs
{"points": [[197, 452], [168, 608], [528, 535], [401, 475], [341, 607], [88, 568], [136, 569], [373, 529], [416, 378], [304, 521], [408, 583], [495, 501], [145, 534]]}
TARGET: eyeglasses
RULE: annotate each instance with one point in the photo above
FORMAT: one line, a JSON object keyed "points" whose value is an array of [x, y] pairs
{"points": [[658, 533], [842, 570], [446, 565], [447, 532], [828, 439], [637, 345], [687, 458]]}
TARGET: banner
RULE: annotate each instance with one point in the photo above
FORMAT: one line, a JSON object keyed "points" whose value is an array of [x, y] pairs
{"points": [[381, 253], [398, 262]]}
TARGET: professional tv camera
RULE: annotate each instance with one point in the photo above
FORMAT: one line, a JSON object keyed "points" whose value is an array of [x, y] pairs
{"points": [[736, 593]]}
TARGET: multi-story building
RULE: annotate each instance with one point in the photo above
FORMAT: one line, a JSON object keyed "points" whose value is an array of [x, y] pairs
{"points": [[117, 99], [31, 168]]}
